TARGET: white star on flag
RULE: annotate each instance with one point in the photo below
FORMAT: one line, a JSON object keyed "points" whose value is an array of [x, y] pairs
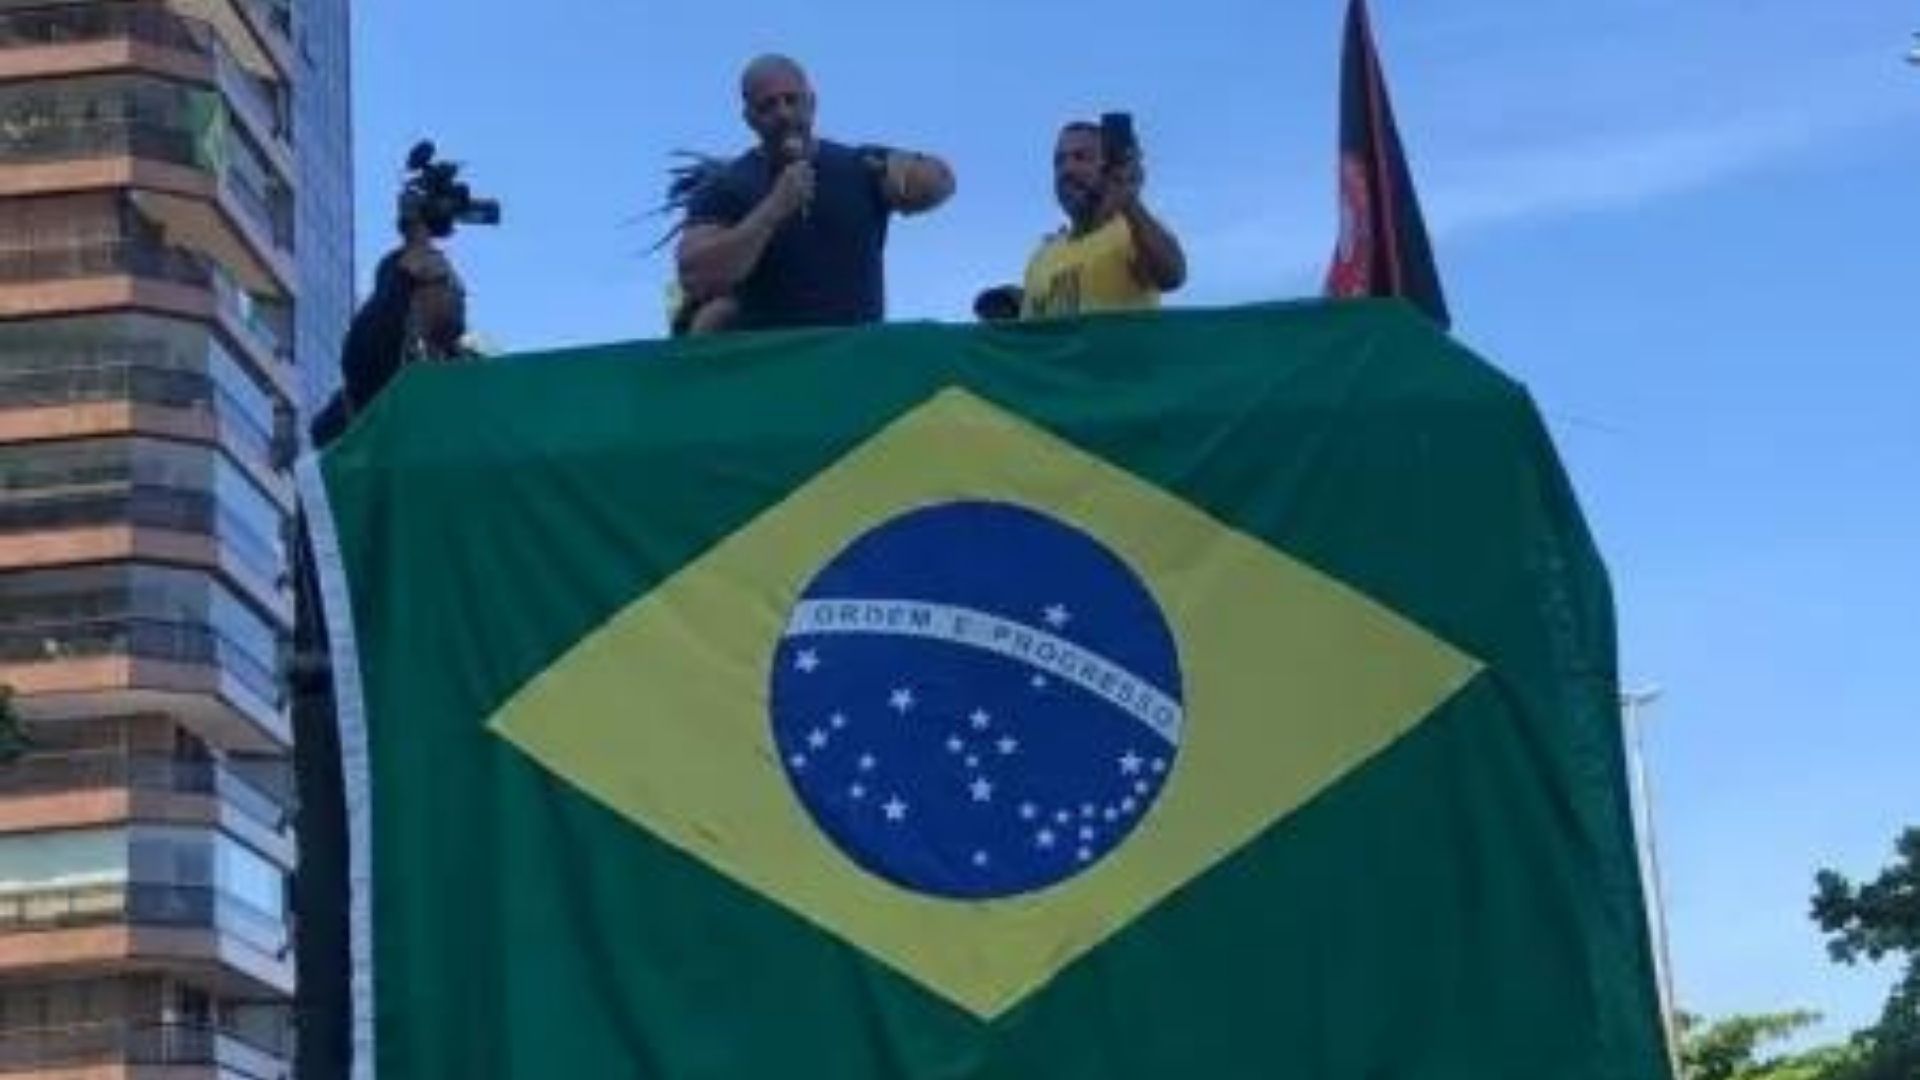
{"points": [[954, 745], [1044, 839], [1008, 744], [1058, 615], [1130, 763], [816, 739], [807, 661], [980, 858], [867, 762], [981, 718], [838, 720], [982, 789], [858, 791], [1028, 811], [902, 700], [895, 809]]}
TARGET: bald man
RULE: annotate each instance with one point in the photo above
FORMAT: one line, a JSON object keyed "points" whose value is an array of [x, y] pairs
{"points": [[794, 231]]}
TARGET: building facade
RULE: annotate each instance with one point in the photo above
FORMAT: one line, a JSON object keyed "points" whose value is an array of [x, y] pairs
{"points": [[175, 275]]}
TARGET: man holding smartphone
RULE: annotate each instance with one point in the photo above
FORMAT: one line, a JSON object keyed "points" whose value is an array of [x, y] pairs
{"points": [[1113, 254]]}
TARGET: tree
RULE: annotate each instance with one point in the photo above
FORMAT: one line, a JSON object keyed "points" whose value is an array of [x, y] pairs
{"points": [[1870, 922], [1729, 1049]]}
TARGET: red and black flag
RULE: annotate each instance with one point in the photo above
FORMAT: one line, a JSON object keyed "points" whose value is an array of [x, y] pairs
{"points": [[1383, 248]]}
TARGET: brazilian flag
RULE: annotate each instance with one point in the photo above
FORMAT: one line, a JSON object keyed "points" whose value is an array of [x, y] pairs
{"points": [[1208, 694]]}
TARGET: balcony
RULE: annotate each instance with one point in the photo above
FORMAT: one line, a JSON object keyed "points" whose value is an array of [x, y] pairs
{"points": [[104, 275], [48, 140], [242, 949], [183, 1050], [144, 636], [260, 103], [112, 275], [29, 34], [115, 519], [131, 258], [262, 325], [125, 387], [102, 514], [86, 789], [29, 143], [183, 906], [269, 21], [127, 665], [207, 188], [175, 37]]}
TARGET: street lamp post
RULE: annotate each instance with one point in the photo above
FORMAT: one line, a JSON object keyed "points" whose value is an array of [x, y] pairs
{"points": [[1633, 705]]}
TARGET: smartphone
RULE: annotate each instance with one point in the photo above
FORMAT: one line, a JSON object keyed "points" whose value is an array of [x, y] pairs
{"points": [[1117, 141]]}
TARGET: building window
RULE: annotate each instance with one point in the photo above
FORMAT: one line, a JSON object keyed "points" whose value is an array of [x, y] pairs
{"points": [[137, 611], [144, 483], [142, 360]]}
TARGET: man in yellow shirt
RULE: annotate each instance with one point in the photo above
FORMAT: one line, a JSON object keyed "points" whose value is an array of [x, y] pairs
{"points": [[1113, 255]]}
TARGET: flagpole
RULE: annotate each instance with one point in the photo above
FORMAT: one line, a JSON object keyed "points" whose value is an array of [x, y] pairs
{"points": [[1633, 704]]}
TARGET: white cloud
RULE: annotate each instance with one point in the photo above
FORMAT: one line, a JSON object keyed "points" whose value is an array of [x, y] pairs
{"points": [[1624, 170], [1617, 161]]}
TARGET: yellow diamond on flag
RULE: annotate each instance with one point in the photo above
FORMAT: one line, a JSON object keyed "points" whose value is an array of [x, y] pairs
{"points": [[1262, 683]]}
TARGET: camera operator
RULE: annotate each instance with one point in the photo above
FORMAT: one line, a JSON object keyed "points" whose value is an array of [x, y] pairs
{"points": [[1114, 254], [417, 311]]}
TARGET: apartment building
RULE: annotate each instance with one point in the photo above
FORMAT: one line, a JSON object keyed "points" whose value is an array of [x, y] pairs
{"points": [[175, 274]]}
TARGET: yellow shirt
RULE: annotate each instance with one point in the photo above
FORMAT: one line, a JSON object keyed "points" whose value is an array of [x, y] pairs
{"points": [[1071, 275]]}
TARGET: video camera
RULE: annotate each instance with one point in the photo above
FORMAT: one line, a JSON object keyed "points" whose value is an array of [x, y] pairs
{"points": [[435, 199]]}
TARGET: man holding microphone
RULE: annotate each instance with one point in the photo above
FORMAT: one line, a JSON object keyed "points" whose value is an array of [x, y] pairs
{"points": [[794, 231]]}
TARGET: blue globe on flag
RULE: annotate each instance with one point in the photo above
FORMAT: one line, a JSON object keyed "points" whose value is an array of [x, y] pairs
{"points": [[975, 699]]}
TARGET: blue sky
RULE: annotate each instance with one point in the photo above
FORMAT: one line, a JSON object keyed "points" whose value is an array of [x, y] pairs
{"points": [[1693, 229]]}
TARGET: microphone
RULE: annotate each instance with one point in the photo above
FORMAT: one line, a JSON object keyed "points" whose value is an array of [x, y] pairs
{"points": [[794, 148]]}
